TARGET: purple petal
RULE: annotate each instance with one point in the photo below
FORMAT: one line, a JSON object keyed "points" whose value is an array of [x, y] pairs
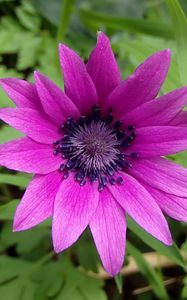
{"points": [[140, 87], [25, 155], [180, 119], [159, 140], [173, 206], [141, 206], [38, 201], [103, 68], [78, 84], [162, 174], [22, 93], [31, 122], [108, 227], [55, 103], [158, 111], [73, 209]]}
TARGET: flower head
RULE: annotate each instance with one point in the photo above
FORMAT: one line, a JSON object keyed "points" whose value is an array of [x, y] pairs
{"points": [[97, 149]]}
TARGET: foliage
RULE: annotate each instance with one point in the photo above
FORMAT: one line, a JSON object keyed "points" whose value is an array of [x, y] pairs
{"points": [[29, 34]]}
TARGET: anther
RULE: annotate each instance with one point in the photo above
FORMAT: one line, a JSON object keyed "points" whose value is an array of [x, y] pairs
{"points": [[62, 167], [134, 154], [130, 128], [120, 134], [82, 120], [66, 174], [120, 180], [110, 170], [117, 125], [56, 151], [125, 144], [112, 180], [100, 187], [56, 143], [83, 182], [133, 135], [96, 112]]}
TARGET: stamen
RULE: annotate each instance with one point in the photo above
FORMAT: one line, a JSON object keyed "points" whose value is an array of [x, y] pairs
{"points": [[94, 148]]}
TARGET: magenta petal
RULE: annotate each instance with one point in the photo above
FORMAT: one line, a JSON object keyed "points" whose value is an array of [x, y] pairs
{"points": [[108, 227], [73, 209], [25, 155], [38, 201], [78, 83], [180, 119], [141, 206], [159, 141], [162, 174], [140, 87], [158, 111], [22, 93], [55, 103], [103, 68], [31, 122], [173, 206]]}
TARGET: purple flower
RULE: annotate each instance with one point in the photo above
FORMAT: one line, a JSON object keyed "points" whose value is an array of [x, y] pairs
{"points": [[97, 150]]}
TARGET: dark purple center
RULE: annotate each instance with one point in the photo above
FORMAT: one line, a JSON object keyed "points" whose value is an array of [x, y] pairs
{"points": [[93, 147]]}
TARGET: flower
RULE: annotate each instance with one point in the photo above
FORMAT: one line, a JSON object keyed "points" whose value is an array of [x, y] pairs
{"points": [[97, 150]]}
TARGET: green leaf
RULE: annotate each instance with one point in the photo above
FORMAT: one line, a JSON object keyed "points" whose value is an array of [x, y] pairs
{"points": [[154, 28], [12, 268], [4, 99], [86, 252], [180, 158], [25, 43], [29, 241], [7, 210], [151, 275], [16, 179], [180, 30], [8, 133], [79, 286], [28, 16], [171, 252], [15, 281], [49, 9], [138, 49]]}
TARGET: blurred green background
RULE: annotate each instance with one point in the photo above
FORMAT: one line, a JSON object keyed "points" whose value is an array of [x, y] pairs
{"points": [[29, 35]]}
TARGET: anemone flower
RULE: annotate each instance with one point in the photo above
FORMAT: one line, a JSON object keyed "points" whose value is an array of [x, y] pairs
{"points": [[97, 150]]}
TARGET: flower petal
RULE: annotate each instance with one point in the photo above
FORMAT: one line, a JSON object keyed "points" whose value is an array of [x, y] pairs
{"points": [[108, 227], [78, 83], [158, 111], [31, 122], [22, 93], [141, 206], [103, 68], [141, 86], [159, 141], [73, 209], [162, 174], [173, 206], [25, 155], [38, 201], [55, 103], [180, 119]]}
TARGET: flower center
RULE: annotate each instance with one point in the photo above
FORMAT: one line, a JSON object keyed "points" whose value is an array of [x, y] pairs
{"points": [[93, 147]]}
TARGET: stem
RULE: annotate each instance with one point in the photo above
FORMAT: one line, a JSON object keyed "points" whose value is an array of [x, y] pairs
{"points": [[65, 16]]}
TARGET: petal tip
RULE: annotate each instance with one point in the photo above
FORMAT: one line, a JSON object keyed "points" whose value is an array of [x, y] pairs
{"points": [[17, 226], [166, 53]]}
